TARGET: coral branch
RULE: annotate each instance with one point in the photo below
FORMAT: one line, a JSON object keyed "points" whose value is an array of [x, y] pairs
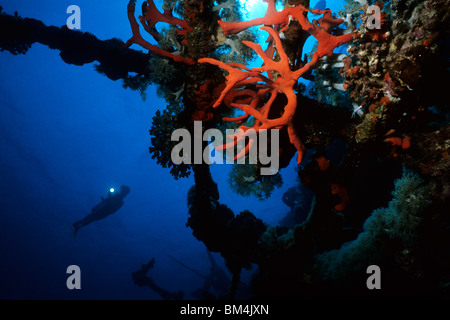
{"points": [[284, 83], [151, 16], [235, 75], [279, 77], [138, 39], [272, 17]]}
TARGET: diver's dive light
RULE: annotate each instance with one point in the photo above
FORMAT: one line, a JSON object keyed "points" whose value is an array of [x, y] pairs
{"points": [[111, 190]]}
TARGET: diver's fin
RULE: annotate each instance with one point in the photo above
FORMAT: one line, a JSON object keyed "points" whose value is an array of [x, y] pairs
{"points": [[75, 230]]}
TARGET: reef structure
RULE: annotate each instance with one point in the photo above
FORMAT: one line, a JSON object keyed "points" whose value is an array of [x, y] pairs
{"points": [[395, 78]]}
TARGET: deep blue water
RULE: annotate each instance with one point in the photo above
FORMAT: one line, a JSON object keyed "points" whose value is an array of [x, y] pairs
{"points": [[68, 134]]}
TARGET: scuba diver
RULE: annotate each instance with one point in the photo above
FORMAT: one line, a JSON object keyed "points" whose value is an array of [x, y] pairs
{"points": [[108, 206]]}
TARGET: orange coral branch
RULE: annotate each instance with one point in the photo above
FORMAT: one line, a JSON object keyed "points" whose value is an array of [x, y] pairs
{"points": [[272, 17], [239, 76], [235, 75], [327, 22], [151, 16], [318, 29], [138, 39], [284, 83]]}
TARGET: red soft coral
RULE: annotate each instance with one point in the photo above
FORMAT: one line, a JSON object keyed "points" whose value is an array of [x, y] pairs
{"points": [[239, 76], [150, 17], [253, 92]]}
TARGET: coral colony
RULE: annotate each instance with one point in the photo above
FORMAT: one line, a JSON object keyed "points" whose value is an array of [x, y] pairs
{"points": [[372, 77], [279, 77]]}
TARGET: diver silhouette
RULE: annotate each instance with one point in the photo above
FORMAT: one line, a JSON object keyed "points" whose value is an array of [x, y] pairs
{"points": [[108, 206]]}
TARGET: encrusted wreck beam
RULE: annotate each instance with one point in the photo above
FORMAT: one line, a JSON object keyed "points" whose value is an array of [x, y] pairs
{"points": [[17, 35]]}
